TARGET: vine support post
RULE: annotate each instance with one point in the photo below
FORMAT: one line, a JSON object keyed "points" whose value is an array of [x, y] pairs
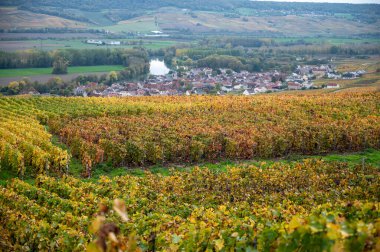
{"points": [[363, 164]]}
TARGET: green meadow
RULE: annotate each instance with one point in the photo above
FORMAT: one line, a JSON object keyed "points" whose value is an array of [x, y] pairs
{"points": [[53, 44], [23, 72]]}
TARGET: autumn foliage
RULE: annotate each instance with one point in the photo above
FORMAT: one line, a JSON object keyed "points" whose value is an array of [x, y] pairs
{"points": [[178, 130], [25, 143], [157, 130], [305, 206], [302, 206]]}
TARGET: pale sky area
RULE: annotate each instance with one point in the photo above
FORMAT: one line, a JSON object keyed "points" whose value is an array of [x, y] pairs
{"points": [[328, 1]]}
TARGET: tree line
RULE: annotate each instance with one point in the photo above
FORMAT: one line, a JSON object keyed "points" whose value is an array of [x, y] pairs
{"points": [[220, 53], [75, 57], [235, 63]]}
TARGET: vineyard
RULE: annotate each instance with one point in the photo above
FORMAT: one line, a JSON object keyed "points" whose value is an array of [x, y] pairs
{"points": [[145, 131], [307, 205], [24, 142]]}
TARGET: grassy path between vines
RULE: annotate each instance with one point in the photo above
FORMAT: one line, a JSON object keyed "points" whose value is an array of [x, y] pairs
{"points": [[369, 156]]}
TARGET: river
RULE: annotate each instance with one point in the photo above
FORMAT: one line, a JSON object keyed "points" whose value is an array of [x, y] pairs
{"points": [[158, 67]]}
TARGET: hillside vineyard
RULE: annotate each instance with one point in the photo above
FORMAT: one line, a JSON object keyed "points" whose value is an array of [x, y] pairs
{"points": [[158, 130], [311, 206], [306, 205]]}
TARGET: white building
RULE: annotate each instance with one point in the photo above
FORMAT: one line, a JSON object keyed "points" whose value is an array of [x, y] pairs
{"points": [[332, 85], [125, 93], [240, 86], [113, 43], [227, 88], [247, 92], [94, 41], [334, 76], [260, 90]]}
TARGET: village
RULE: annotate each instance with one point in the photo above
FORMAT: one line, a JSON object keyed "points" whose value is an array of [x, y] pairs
{"points": [[199, 81]]}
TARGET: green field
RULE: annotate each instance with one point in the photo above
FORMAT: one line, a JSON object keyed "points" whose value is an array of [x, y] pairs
{"points": [[130, 26], [52, 44], [44, 71], [326, 40]]}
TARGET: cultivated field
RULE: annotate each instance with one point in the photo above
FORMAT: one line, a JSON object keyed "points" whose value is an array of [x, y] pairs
{"points": [[293, 170], [327, 40], [296, 206], [151, 130], [370, 79], [12, 18], [24, 72], [52, 44], [312, 204], [143, 25], [179, 20], [371, 65], [42, 75], [174, 19]]}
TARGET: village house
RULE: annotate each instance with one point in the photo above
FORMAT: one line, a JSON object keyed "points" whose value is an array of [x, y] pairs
{"points": [[294, 86], [198, 92], [334, 76], [227, 89], [240, 87], [80, 91], [260, 90], [203, 81], [332, 85], [248, 92], [94, 42], [124, 93], [307, 85], [353, 75], [207, 71]]}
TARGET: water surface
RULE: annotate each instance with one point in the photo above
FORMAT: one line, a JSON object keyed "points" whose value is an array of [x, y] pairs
{"points": [[158, 67]]}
